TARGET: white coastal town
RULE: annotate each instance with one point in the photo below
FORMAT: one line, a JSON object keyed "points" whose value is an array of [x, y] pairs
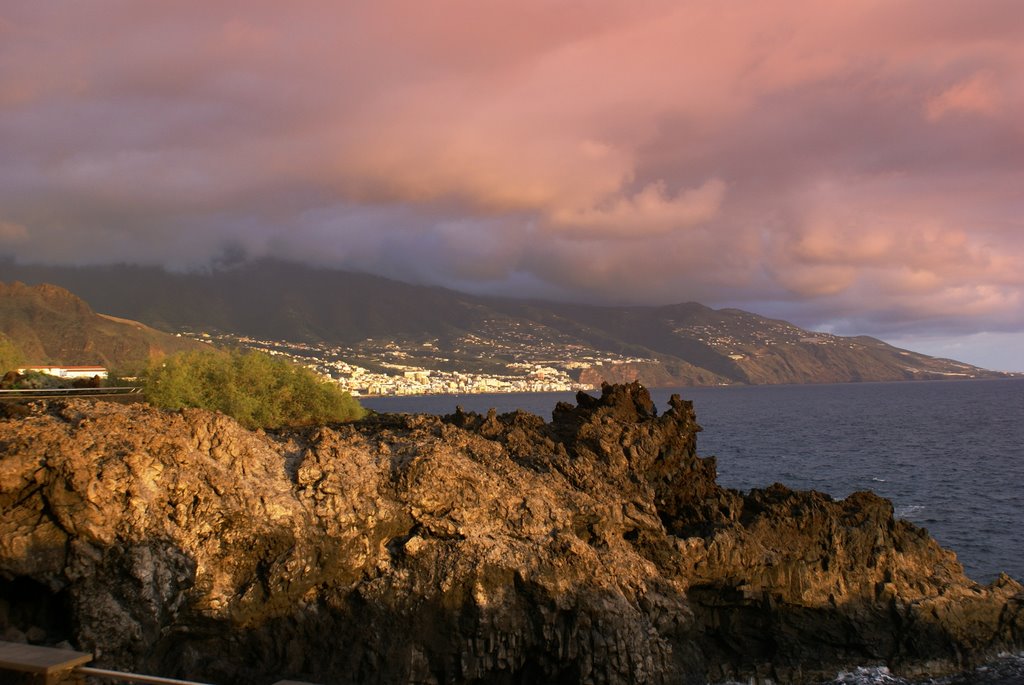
{"points": [[397, 373]]}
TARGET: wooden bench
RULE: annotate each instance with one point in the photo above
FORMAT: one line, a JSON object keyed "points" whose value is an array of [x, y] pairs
{"points": [[44, 665], [52, 666]]}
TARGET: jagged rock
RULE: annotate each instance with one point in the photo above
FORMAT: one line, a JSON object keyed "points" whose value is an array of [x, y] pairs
{"points": [[595, 548]]}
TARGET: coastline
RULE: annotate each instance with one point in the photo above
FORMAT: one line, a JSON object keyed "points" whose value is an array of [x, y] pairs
{"points": [[597, 544]]}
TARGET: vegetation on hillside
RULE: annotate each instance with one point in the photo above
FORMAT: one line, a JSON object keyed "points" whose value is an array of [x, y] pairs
{"points": [[11, 357], [256, 389], [51, 325]]}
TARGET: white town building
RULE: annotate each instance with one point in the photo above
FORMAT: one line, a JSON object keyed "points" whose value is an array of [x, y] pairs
{"points": [[68, 371]]}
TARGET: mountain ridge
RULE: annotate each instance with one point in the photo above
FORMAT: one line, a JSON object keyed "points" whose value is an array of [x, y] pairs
{"points": [[365, 316], [51, 325]]}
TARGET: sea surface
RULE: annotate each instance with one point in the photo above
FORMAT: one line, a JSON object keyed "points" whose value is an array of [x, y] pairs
{"points": [[949, 454]]}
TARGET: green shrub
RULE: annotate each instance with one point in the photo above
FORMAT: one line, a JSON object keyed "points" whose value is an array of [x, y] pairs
{"points": [[11, 358], [36, 380], [258, 390]]}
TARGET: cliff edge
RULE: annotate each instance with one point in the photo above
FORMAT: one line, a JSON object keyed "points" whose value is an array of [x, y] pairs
{"points": [[595, 548]]}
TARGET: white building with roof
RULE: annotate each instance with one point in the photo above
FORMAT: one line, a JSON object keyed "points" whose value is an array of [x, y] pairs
{"points": [[68, 371]]}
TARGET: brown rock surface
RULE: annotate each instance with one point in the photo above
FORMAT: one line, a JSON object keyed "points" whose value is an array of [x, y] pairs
{"points": [[595, 548]]}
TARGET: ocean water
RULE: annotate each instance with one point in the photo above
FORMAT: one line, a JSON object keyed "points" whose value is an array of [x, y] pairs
{"points": [[949, 454]]}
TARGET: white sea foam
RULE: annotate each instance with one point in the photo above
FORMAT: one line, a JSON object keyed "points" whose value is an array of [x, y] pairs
{"points": [[869, 675], [909, 510], [1006, 670]]}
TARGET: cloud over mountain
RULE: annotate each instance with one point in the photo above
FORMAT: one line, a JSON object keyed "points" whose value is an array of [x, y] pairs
{"points": [[846, 165]]}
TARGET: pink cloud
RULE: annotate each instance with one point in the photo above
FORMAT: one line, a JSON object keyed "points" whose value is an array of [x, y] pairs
{"points": [[650, 211], [11, 233], [859, 156], [893, 238], [978, 94]]}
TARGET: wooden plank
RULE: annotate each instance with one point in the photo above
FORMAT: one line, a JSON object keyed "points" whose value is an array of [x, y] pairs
{"points": [[35, 659]]}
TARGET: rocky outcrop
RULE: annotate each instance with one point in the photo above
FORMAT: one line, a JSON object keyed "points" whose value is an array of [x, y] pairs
{"points": [[595, 548]]}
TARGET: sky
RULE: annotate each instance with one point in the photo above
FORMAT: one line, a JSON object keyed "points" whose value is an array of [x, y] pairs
{"points": [[853, 167]]}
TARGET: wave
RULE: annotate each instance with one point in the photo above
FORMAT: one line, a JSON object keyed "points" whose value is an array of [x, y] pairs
{"points": [[908, 511], [1008, 669], [869, 675]]}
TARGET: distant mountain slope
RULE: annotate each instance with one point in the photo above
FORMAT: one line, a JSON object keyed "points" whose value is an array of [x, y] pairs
{"points": [[268, 298], [52, 326], [370, 316]]}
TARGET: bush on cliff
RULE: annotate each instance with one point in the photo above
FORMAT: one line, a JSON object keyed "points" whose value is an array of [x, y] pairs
{"points": [[258, 390]]}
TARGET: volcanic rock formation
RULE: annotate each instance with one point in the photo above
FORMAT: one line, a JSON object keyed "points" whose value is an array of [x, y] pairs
{"points": [[595, 548]]}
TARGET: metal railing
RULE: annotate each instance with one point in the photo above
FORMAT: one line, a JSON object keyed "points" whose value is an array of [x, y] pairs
{"points": [[43, 664], [131, 677], [69, 392]]}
